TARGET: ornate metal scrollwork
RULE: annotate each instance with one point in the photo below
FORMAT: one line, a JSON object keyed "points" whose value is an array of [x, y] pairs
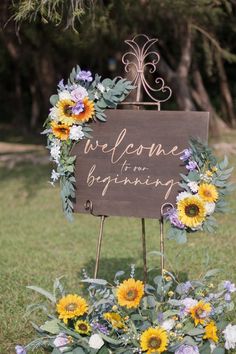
{"points": [[142, 59]]}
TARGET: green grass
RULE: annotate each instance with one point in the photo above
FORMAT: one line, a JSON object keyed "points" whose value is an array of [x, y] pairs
{"points": [[38, 245]]}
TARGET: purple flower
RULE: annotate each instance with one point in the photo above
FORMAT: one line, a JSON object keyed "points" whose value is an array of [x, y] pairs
{"points": [[191, 165], [78, 108], [173, 217], [61, 341], [84, 76], [230, 287], [187, 286], [186, 155], [20, 350], [100, 327], [160, 317], [187, 349], [227, 297]]}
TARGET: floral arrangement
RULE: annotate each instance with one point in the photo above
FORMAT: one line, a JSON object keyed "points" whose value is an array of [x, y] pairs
{"points": [[203, 192], [129, 317], [83, 99]]}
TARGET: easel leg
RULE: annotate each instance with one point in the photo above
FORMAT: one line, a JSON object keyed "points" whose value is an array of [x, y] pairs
{"points": [[99, 244], [161, 223], [144, 252]]}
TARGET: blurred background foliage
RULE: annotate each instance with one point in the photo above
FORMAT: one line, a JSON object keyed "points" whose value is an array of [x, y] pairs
{"points": [[41, 40]]}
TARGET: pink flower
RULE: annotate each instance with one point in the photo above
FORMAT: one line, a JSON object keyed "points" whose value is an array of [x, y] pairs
{"points": [[61, 341], [79, 93]]}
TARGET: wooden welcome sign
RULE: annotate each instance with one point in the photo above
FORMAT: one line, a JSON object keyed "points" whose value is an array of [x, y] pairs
{"points": [[131, 166]]}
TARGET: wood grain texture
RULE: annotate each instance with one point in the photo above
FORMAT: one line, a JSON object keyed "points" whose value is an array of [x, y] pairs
{"points": [[131, 166]]}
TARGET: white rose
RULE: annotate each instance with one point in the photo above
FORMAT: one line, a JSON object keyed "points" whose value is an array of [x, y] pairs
{"points": [[230, 337], [210, 208], [183, 195], [95, 341], [64, 95], [76, 132], [79, 93], [168, 324], [61, 341]]}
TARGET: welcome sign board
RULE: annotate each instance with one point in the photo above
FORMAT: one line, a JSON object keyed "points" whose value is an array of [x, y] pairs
{"points": [[131, 166]]}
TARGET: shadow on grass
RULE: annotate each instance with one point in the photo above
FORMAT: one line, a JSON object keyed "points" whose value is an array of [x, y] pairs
{"points": [[33, 177], [108, 267]]}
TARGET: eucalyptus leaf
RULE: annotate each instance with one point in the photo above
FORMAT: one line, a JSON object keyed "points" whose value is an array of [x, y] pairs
{"points": [[43, 292], [51, 326]]}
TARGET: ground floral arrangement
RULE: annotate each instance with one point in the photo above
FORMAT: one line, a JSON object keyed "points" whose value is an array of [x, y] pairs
{"points": [[82, 100], [130, 317]]}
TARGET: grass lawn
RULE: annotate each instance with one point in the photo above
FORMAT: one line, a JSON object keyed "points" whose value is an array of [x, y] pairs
{"points": [[38, 245]]}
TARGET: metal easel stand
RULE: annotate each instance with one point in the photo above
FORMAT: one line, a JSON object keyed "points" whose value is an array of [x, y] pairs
{"points": [[141, 59]]}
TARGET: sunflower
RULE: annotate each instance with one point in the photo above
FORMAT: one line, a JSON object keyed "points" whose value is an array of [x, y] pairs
{"points": [[130, 293], [208, 192], [65, 111], [211, 332], [200, 312], [71, 306], [61, 131], [87, 113], [154, 340], [82, 327], [115, 319], [191, 211]]}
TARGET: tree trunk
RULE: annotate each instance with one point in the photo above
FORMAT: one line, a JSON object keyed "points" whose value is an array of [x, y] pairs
{"points": [[202, 100], [227, 101]]}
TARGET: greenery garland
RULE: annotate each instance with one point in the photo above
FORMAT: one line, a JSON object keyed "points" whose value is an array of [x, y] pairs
{"points": [[80, 101]]}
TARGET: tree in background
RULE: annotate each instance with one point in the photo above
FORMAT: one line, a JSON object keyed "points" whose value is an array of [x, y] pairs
{"points": [[197, 39]]}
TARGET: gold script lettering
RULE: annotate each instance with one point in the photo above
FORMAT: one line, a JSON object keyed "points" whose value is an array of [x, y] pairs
{"points": [[91, 180], [130, 149]]}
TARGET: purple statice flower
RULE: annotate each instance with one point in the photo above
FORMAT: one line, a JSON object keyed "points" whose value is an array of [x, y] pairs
{"points": [[173, 217], [84, 76], [227, 297], [20, 350], [191, 165], [100, 327], [187, 286], [160, 317], [78, 108], [230, 287], [186, 155], [187, 349]]}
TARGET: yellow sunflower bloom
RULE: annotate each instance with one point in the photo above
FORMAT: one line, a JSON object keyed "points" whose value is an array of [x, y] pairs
{"points": [[61, 131], [130, 293], [191, 211], [82, 327], [200, 312], [65, 111], [154, 340], [71, 306], [211, 332], [87, 113], [115, 319], [208, 192]]}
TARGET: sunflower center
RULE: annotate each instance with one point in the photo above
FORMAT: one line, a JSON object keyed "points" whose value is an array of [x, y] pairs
{"points": [[63, 130], [207, 193], [131, 294], [192, 210], [154, 343], [67, 110], [200, 313], [71, 307], [83, 327]]}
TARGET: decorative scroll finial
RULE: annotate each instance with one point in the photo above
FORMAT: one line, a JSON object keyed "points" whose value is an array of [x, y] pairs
{"points": [[141, 58]]}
